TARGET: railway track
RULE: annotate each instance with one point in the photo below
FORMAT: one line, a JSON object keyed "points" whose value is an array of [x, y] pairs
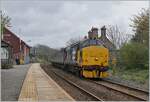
{"points": [[94, 97], [116, 91], [138, 94]]}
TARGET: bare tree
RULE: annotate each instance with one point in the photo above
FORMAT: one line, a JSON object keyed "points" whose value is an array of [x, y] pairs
{"points": [[44, 52], [117, 37], [73, 40], [5, 20]]}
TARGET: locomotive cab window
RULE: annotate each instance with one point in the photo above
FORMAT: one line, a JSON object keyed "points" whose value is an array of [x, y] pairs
{"points": [[94, 42], [90, 42]]}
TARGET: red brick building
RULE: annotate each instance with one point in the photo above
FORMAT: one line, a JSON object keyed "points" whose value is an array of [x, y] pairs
{"points": [[20, 49], [25, 50]]}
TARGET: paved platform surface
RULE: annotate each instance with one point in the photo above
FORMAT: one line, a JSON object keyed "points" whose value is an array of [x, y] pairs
{"points": [[11, 82], [38, 86]]}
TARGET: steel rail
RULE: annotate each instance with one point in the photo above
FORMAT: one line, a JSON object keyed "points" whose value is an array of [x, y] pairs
{"points": [[78, 87], [133, 88], [123, 91]]}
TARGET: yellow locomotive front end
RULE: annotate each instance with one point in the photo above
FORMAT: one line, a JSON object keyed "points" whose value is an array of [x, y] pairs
{"points": [[94, 61]]}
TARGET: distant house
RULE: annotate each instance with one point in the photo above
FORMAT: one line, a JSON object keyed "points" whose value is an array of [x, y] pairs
{"points": [[20, 50], [105, 40], [108, 44]]}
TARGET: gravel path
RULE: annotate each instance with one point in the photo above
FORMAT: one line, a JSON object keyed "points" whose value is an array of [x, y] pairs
{"points": [[11, 82]]}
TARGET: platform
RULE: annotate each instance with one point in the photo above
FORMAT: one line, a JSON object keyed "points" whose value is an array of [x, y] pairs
{"points": [[38, 86]]}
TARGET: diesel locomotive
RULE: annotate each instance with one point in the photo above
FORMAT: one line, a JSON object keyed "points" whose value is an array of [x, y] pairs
{"points": [[87, 58]]}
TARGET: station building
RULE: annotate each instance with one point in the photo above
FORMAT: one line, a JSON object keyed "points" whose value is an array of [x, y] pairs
{"points": [[20, 50]]}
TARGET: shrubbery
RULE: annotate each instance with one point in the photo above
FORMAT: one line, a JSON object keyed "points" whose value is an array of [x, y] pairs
{"points": [[134, 55], [6, 66]]}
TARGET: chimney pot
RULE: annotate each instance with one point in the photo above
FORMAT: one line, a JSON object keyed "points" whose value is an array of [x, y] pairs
{"points": [[94, 33]]}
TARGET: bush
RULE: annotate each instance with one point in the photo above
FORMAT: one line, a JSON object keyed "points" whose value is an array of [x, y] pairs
{"points": [[134, 55], [6, 66]]}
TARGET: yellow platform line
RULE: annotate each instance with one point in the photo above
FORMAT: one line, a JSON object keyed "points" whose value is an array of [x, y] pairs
{"points": [[29, 91]]}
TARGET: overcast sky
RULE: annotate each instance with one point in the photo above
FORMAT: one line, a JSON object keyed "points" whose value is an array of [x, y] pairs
{"points": [[53, 23]]}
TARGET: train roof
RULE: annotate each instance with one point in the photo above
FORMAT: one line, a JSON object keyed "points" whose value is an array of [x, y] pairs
{"points": [[81, 42]]}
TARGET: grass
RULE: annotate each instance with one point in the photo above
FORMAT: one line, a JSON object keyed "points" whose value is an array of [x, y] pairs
{"points": [[140, 76]]}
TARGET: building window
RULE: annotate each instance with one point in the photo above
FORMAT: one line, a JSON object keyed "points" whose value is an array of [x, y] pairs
{"points": [[4, 53]]}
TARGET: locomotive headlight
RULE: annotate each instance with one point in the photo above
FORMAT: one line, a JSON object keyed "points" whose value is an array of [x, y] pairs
{"points": [[96, 59], [86, 60]]}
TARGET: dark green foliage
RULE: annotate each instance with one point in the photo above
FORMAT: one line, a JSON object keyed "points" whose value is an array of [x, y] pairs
{"points": [[6, 66], [134, 55]]}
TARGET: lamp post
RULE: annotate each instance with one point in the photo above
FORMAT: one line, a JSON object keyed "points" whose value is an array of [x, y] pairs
{"points": [[1, 26]]}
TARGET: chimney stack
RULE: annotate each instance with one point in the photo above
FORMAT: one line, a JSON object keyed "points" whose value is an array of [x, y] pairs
{"points": [[103, 31], [94, 34]]}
